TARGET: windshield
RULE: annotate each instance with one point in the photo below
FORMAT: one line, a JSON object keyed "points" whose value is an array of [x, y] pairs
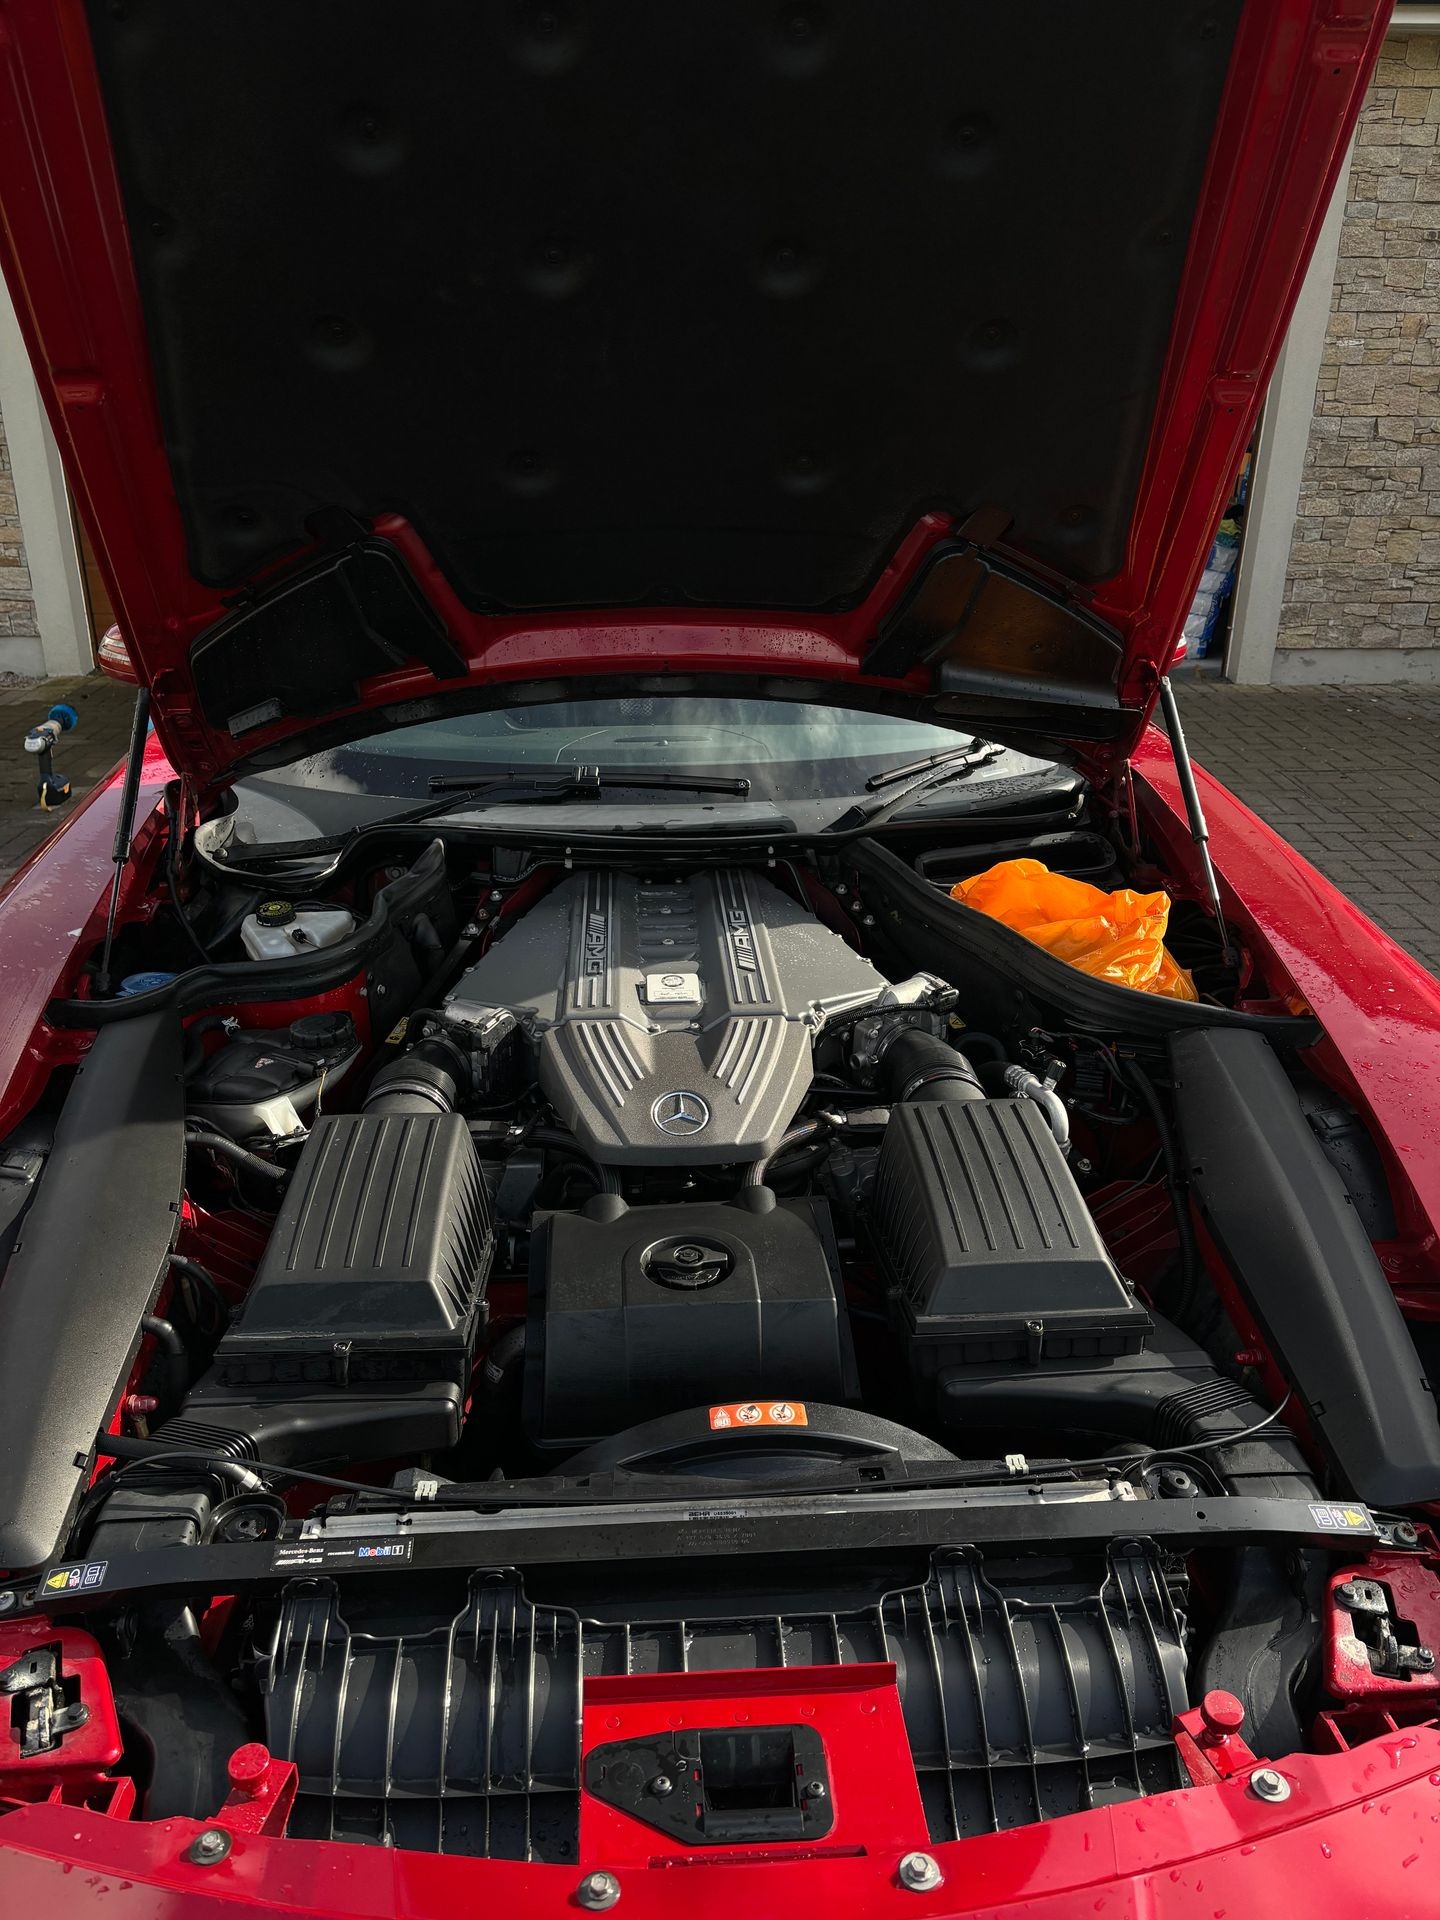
{"points": [[807, 763], [787, 752]]}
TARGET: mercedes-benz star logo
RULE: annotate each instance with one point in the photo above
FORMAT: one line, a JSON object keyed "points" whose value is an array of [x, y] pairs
{"points": [[680, 1112]]}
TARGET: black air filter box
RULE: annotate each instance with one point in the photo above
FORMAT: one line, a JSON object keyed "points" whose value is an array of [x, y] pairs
{"points": [[990, 1251], [357, 1336]]}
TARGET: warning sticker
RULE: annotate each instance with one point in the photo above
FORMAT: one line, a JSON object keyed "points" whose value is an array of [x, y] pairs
{"points": [[72, 1579], [759, 1413], [1341, 1519]]}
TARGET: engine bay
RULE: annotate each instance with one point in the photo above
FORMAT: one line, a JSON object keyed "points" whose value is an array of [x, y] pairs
{"points": [[577, 1269]]}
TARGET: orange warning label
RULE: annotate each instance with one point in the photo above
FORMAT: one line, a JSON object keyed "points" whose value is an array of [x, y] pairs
{"points": [[759, 1413]]}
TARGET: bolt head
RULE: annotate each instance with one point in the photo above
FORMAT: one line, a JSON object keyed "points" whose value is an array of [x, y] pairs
{"points": [[1406, 1533], [920, 1873], [816, 1790], [662, 1784], [1267, 1784], [598, 1891], [207, 1849]]}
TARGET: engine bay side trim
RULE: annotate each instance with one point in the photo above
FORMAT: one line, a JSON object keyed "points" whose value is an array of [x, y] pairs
{"points": [[89, 1264], [1282, 1218]]}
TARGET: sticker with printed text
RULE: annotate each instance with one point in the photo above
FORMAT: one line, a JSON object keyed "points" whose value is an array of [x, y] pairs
{"points": [[294, 1555], [759, 1413]]}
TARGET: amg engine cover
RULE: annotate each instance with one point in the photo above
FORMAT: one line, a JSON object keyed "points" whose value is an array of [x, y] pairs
{"points": [[673, 1019]]}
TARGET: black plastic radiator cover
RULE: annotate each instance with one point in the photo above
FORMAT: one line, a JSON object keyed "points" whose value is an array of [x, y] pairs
{"points": [[1280, 1214], [91, 1257], [1028, 1693]]}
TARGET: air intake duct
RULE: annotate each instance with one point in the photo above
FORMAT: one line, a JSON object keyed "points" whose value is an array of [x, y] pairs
{"points": [[920, 1066]]}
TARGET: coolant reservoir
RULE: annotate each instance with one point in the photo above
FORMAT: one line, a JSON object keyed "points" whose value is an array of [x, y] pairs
{"points": [[278, 930]]}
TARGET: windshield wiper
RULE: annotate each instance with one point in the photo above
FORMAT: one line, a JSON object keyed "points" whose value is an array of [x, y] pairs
{"points": [[594, 780], [455, 792], [950, 757], [571, 783], [937, 771]]}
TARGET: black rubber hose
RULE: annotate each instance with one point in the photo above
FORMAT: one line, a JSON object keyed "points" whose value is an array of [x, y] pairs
{"points": [[606, 1178], [427, 1078], [174, 1362], [192, 1271], [758, 1172], [920, 1066], [231, 1150], [164, 1334], [988, 1045], [194, 1051], [501, 1356]]}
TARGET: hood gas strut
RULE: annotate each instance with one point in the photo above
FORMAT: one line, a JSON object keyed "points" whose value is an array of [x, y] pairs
{"points": [[1194, 812], [124, 827]]}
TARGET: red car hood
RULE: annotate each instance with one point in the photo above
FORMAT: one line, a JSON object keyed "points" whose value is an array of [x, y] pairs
{"points": [[902, 355]]}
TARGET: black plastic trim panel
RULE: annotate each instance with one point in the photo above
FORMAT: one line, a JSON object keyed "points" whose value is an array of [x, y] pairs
{"points": [[1281, 1216], [90, 1260]]}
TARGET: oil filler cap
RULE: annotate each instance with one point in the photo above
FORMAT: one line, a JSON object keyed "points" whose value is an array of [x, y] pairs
{"points": [[686, 1262], [275, 913]]}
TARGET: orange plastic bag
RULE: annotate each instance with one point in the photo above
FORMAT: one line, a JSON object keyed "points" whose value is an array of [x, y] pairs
{"points": [[1115, 936]]}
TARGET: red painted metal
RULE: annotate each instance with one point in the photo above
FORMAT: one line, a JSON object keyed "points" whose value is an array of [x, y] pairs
{"points": [[855, 1710], [1209, 1741], [85, 1755], [262, 1791], [1412, 1582], [1360, 1834], [1294, 92]]}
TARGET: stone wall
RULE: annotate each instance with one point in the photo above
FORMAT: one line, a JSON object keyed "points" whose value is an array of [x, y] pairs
{"points": [[19, 635], [1365, 558]]}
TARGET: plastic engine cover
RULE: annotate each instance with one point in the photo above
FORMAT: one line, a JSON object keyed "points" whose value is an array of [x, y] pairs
{"points": [[673, 1019], [656, 1309]]}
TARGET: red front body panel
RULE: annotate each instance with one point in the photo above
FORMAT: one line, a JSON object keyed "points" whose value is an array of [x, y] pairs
{"points": [[1359, 1835]]}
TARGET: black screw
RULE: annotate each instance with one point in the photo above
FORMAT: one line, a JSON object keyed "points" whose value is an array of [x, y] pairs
{"points": [[816, 1790]]}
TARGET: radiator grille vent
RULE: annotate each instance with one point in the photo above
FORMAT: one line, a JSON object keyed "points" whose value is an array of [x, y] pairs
{"points": [[1023, 1700]]}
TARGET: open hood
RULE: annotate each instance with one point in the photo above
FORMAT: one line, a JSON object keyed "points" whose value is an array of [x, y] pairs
{"points": [[903, 350]]}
